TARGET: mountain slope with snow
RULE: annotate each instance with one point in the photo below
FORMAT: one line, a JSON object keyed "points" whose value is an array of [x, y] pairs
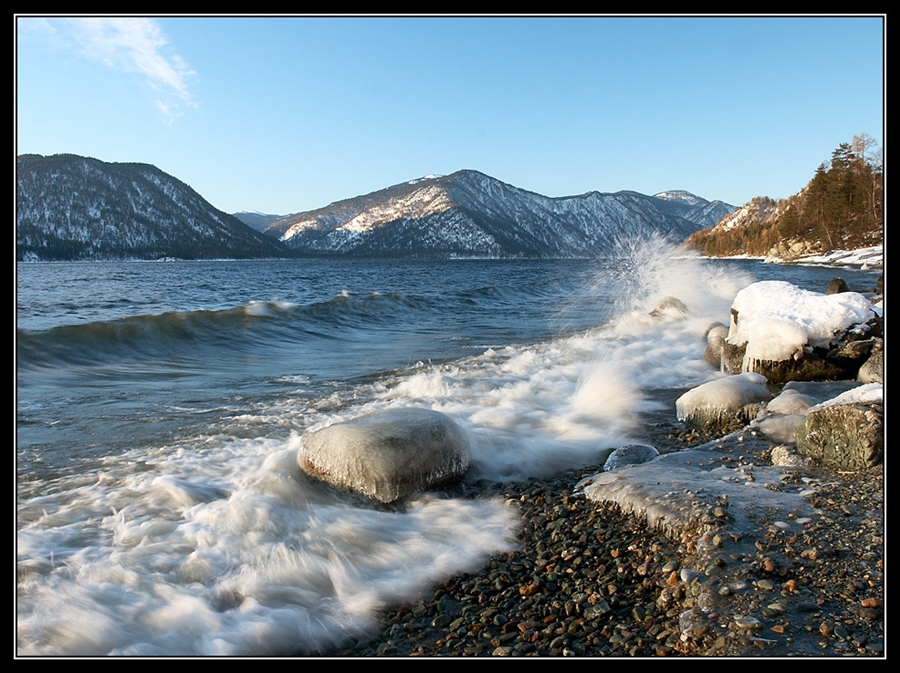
{"points": [[72, 208], [471, 214]]}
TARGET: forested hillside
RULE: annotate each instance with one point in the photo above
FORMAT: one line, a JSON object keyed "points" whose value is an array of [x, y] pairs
{"points": [[842, 207]]}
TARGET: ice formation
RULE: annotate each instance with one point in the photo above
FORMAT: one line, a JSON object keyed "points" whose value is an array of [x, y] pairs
{"points": [[722, 396], [869, 393], [389, 454]]}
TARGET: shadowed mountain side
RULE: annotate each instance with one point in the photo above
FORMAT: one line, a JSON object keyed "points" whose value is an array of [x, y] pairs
{"points": [[471, 214]]}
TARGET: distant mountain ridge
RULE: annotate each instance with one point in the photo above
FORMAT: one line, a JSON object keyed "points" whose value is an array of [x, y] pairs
{"points": [[70, 207], [469, 214], [79, 208], [256, 220]]}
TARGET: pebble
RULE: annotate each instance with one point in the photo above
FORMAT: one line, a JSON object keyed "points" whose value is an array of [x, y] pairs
{"points": [[590, 580]]}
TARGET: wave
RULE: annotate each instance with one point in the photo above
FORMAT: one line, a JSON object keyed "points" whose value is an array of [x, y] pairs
{"points": [[211, 541], [259, 325]]}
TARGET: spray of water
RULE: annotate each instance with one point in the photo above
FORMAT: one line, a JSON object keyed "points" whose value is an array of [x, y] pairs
{"points": [[221, 546]]}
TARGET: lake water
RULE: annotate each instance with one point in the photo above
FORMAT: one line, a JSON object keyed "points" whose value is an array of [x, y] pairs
{"points": [[160, 408]]}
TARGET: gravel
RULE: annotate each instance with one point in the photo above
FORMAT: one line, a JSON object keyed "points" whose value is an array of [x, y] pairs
{"points": [[591, 580]]}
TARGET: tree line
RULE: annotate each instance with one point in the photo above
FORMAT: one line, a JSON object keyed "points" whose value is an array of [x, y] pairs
{"points": [[841, 208]]}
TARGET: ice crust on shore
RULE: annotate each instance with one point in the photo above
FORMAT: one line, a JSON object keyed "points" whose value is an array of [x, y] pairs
{"points": [[869, 393]]}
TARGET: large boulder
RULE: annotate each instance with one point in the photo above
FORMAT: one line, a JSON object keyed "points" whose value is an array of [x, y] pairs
{"points": [[847, 431], [387, 455]]}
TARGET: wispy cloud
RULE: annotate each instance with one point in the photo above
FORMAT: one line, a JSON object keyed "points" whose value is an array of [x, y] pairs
{"points": [[136, 45]]}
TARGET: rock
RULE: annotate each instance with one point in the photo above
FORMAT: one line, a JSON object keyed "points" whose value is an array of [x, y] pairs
{"points": [[632, 454], [791, 401], [715, 344], [779, 427], [724, 404], [872, 370], [387, 455], [783, 415], [784, 457], [837, 285], [847, 434], [790, 334], [669, 307]]}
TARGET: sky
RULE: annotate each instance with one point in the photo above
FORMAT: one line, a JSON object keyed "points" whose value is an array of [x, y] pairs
{"points": [[283, 114]]}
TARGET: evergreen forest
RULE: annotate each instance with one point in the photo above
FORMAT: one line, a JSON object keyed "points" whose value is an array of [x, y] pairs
{"points": [[841, 208]]}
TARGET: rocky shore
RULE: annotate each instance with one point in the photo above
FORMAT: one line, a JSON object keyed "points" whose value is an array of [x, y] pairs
{"points": [[593, 580], [717, 548]]}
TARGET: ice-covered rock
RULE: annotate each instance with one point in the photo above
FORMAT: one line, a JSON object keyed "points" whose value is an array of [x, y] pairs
{"points": [[872, 370], [631, 454], [791, 401], [715, 344], [724, 404], [669, 307], [783, 456], [784, 414], [387, 455]]}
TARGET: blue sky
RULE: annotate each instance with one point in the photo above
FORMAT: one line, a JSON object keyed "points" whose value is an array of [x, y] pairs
{"points": [[286, 114]]}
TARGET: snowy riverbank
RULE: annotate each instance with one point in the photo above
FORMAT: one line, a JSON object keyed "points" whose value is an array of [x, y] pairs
{"points": [[863, 258]]}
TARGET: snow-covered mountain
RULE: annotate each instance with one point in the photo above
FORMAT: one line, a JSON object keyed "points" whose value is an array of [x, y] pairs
{"points": [[70, 208], [694, 208], [471, 214], [256, 220]]}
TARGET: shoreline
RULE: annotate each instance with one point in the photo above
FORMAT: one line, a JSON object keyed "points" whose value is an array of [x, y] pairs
{"points": [[871, 259], [593, 580]]}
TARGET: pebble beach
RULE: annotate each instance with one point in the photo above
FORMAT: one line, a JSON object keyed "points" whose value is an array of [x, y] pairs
{"points": [[593, 580], [736, 577]]}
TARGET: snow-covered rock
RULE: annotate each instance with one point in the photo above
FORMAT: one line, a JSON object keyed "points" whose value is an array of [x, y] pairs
{"points": [[787, 333]]}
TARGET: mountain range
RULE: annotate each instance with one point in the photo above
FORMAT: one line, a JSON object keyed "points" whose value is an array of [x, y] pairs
{"points": [[469, 214], [71, 207]]}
